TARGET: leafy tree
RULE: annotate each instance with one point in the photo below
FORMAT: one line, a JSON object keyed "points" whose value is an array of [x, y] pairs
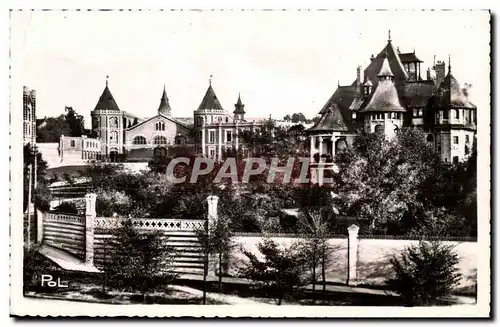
{"points": [[218, 242], [298, 117], [41, 194], [281, 272], [141, 261], [425, 273], [70, 124], [381, 179], [316, 249]]}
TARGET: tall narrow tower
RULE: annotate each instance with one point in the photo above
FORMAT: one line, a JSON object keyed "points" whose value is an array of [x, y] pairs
{"points": [[164, 107], [29, 116]]}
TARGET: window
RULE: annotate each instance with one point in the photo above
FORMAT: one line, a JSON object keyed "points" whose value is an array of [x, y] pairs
{"points": [[466, 138], [455, 159], [180, 139], [456, 114], [415, 112], [139, 140], [159, 140], [455, 139], [445, 114], [430, 138], [227, 119], [212, 152], [229, 135], [113, 136], [211, 136], [113, 122], [72, 143], [398, 115], [160, 126], [379, 129]]}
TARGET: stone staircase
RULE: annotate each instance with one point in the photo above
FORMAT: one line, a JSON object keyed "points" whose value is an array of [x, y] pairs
{"points": [[189, 257]]}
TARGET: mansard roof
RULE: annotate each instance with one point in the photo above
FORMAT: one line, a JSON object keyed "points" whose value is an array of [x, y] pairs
{"points": [[106, 101], [210, 100], [331, 121], [450, 94]]}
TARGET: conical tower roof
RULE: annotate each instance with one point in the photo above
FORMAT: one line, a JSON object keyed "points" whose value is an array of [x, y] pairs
{"points": [[450, 94], [210, 100], [106, 101], [239, 107], [385, 98], [164, 107]]}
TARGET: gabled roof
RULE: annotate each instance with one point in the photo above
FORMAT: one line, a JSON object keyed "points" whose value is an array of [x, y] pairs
{"points": [[450, 94], [106, 101], [409, 57], [331, 121], [417, 94], [159, 115], [210, 100]]}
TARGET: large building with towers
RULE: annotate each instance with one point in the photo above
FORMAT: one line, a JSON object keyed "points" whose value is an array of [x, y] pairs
{"points": [[391, 93]]}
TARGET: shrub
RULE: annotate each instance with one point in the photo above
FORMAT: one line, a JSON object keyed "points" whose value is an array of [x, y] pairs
{"points": [[140, 260], [67, 207], [280, 274], [425, 273]]}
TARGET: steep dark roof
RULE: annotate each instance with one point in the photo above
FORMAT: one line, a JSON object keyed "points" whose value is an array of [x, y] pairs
{"points": [[417, 94], [331, 121], [342, 97], [371, 72], [164, 107], [210, 100], [385, 97], [409, 57], [106, 101], [450, 94], [239, 107]]}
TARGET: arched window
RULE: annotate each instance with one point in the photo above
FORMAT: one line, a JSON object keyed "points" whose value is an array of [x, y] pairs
{"points": [[430, 138], [139, 140], [160, 126], [159, 140], [113, 136], [379, 129], [113, 122]]}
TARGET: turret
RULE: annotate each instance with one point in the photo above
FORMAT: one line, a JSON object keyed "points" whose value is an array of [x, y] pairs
{"points": [[239, 110]]}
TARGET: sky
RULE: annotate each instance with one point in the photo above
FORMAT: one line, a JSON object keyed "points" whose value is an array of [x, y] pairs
{"points": [[282, 62]]}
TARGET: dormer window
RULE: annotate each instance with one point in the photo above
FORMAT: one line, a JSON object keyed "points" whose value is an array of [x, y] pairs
{"points": [[354, 115]]}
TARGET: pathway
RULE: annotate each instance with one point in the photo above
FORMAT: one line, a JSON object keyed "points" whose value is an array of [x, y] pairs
{"points": [[65, 260]]}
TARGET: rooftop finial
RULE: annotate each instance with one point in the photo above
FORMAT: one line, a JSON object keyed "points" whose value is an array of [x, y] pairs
{"points": [[107, 77], [210, 80], [449, 64], [389, 35]]}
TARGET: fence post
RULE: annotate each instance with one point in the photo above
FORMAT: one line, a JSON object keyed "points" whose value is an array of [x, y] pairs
{"points": [[352, 254], [211, 218], [90, 214], [39, 226]]}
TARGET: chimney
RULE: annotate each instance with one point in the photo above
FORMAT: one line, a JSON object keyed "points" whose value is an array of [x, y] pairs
{"points": [[440, 72], [429, 74], [358, 80]]}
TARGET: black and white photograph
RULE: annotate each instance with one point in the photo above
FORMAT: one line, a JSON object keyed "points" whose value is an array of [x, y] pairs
{"points": [[250, 163]]}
